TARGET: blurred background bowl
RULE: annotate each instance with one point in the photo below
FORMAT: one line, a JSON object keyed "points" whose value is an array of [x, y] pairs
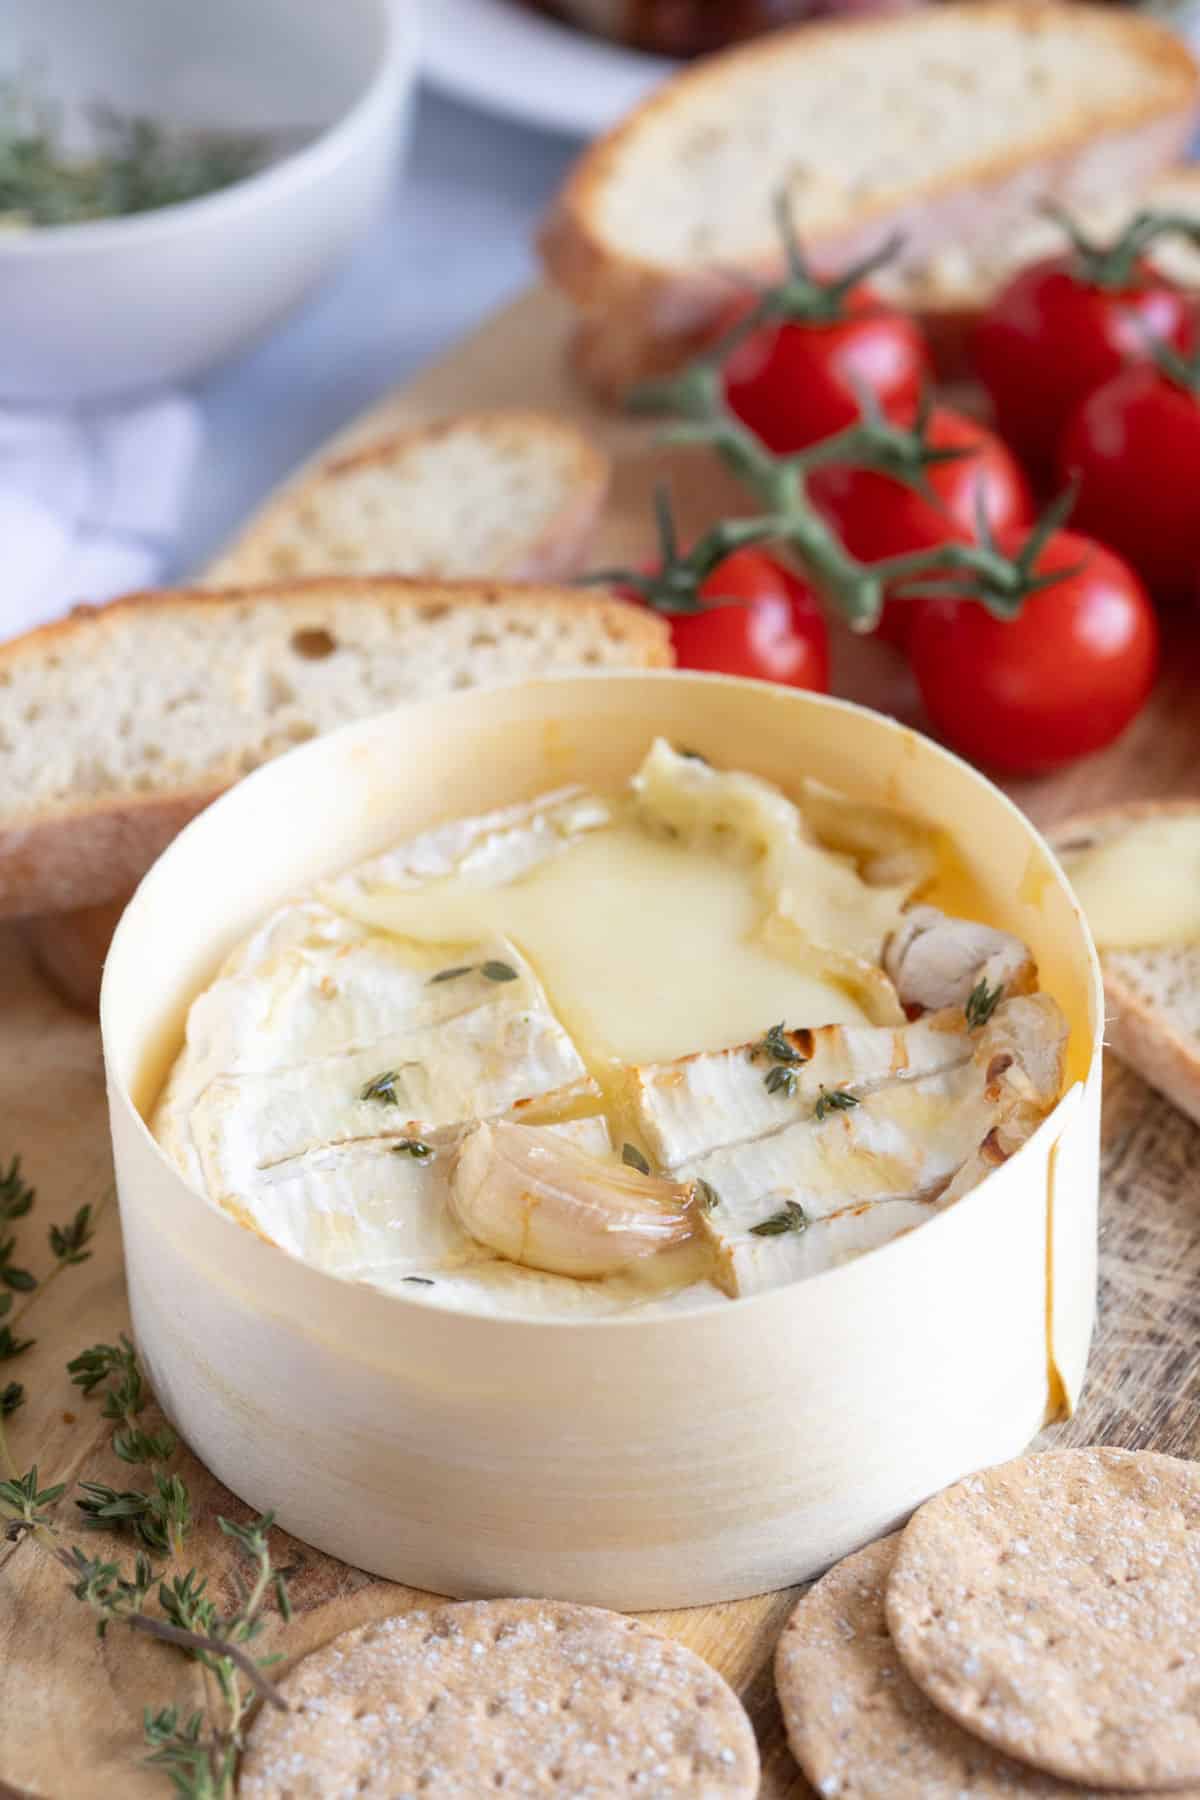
{"points": [[107, 307]]}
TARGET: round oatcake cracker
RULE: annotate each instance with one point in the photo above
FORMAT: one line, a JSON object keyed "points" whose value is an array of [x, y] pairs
{"points": [[514, 1697], [859, 1728], [1052, 1607]]}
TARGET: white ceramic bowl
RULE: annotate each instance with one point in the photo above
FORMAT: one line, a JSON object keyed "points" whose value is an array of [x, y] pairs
{"points": [[630, 1462], [103, 308]]}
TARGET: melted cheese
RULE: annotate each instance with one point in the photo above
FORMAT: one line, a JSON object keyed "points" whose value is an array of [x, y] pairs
{"points": [[1142, 889], [640, 939], [646, 947]]}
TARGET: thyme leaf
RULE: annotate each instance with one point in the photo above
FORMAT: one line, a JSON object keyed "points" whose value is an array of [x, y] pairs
{"points": [[775, 1045], [790, 1217], [16, 1196], [419, 1280], [780, 1080], [10, 1398], [498, 971], [833, 1100], [707, 1196], [409, 1146], [982, 1002], [382, 1088], [492, 970], [631, 1155], [68, 1242]]}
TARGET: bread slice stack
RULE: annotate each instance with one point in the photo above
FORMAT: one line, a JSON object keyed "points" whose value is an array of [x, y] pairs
{"points": [[1152, 995], [949, 124]]}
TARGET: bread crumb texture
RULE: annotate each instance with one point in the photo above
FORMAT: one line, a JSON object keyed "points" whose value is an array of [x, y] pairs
{"points": [[167, 694], [506, 494]]}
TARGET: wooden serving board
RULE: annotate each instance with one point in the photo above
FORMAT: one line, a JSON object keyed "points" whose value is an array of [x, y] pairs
{"points": [[70, 1706]]}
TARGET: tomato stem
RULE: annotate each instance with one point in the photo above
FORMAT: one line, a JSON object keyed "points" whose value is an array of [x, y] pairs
{"points": [[1113, 265], [695, 400]]}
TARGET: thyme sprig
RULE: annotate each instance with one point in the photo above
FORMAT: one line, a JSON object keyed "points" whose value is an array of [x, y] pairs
{"points": [[785, 1058], [139, 164], [198, 1754], [1113, 262], [831, 1100], [69, 1246], [790, 1217], [982, 1002], [158, 1516]]}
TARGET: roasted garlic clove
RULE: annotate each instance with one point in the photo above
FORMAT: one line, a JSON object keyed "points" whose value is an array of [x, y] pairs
{"points": [[539, 1200]]}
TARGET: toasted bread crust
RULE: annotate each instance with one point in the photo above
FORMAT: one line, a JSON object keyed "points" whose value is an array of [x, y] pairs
{"points": [[556, 551], [1135, 1030], [96, 848], [644, 317], [579, 260], [70, 948]]}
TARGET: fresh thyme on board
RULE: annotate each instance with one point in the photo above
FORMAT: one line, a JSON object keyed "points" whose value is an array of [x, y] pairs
{"points": [[198, 1753]]}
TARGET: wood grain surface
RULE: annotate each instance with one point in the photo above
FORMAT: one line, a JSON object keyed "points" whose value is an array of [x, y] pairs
{"points": [[71, 1706]]}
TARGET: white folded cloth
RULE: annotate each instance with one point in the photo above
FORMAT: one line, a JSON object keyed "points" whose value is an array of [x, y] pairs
{"points": [[90, 502]]}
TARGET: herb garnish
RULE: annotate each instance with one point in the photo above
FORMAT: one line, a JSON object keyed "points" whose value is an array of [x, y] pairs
{"points": [[833, 1100], [790, 1217], [68, 1245], [707, 1196], [492, 970], [199, 1754], [382, 1088], [631, 1155], [775, 1045], [982, 1002], [160, 1515], [138, 166], [781, 1079], [420, 1152], [419, 1280]]}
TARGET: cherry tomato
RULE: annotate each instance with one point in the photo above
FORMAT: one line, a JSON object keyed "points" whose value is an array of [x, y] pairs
{"points": [[1134, 446], [1049, 338], [798, 381], [877, 517], [1059, 681], [776, 631]]}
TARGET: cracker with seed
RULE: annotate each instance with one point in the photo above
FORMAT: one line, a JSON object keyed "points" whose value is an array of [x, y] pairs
{"points": [[859, 1728], [1052, 1607], [518, 1697]]}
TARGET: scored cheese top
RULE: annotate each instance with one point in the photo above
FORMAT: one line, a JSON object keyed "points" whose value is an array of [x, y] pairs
{"points": [[1140, 888], [596, 1053]]}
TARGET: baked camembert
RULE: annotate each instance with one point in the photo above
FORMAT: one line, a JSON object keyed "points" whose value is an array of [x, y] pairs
{"points": [[592, 1054]]}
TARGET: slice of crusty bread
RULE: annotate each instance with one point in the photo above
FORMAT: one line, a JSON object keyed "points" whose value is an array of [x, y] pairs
{"points": [[119, 723], [952, 287], [1153, 995], [503, 495], [948, 124]]}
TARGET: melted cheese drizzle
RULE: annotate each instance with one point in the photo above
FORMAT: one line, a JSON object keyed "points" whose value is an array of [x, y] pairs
{"points": [[646, 947], [1142, 889]]}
